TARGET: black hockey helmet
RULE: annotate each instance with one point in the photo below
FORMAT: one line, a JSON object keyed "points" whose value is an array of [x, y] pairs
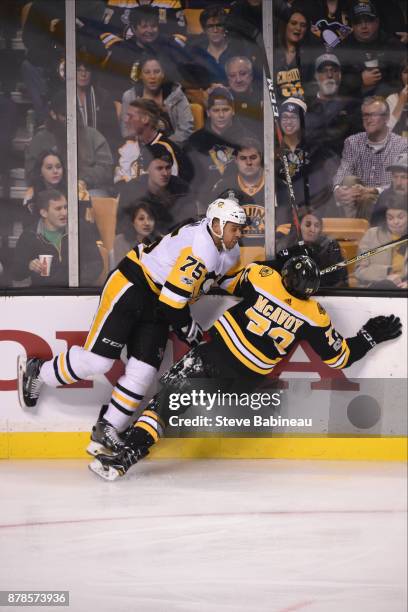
{"points": [[301, 276]]}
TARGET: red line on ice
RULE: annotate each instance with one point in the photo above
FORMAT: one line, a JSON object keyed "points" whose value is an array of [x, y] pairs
{"points": [[199, 515]]}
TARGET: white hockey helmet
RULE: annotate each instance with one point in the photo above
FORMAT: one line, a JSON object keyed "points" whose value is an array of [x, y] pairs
{"points": [[225, 209]]}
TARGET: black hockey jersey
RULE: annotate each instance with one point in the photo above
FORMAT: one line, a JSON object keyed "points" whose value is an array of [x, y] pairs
{"points": [[264, 327]]}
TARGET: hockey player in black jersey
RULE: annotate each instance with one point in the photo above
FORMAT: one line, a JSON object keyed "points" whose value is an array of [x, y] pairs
{"points": [[247, 341]]}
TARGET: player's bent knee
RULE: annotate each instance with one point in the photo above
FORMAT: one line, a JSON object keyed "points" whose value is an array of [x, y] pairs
{"points": [[140, 371], [88, 363]]}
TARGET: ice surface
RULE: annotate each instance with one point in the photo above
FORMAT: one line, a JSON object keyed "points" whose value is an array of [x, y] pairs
{"points": [[236, 536]]}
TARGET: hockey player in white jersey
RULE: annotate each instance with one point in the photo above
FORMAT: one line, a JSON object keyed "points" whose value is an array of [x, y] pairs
{"points": [[150, 290]]}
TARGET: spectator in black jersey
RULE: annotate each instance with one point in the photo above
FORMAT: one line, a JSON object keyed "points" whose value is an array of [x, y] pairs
{"points": [[167, 194], [139, 227], [324, 250], [292, 67], [212, 148], [248, 95], [142, 122], [119, 18], [247, 180], [123, 58], [176, 115], [311, 166]]}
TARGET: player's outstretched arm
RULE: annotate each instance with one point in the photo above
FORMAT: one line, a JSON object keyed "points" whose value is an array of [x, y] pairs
{"points": [[376, 330]]}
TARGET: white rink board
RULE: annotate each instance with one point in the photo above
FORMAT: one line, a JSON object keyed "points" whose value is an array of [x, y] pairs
{"points": [[71, 409]]}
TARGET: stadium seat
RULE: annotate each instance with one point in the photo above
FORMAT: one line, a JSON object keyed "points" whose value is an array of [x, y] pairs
{"points": [[344, 228], [198, 116], [105, 210], [193, 20]]}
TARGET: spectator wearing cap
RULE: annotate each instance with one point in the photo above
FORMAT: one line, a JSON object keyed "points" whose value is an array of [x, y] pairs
{"points": [[248, 96], [167, 194], [399, 185], [366, 156], [311, 166], [247, 181], [211, 149], [331, 117], [175, 109], [370, 58], [142, 122], [387, 269]]}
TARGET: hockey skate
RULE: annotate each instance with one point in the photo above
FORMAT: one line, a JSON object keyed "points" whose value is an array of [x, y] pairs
{"points": [[105, 438], [111, 467], [29, 385]]}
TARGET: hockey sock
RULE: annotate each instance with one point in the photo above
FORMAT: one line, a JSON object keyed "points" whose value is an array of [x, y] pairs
{"points": [[73, 365], [151, 424], [129, 392]]}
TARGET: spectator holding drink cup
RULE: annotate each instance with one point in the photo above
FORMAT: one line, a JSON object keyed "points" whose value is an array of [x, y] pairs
{"points": [[41, 254]]}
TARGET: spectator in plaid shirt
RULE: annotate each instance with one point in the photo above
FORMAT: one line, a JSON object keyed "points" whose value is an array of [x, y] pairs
{"points": [[365, 158]]}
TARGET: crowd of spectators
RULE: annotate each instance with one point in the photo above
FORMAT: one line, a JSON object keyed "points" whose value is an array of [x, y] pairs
{"points": [[170, 116]]}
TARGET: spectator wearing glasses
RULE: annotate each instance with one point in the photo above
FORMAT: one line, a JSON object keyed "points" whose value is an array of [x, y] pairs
{"points": [[206, 55], [365, 157], [95, 104]]}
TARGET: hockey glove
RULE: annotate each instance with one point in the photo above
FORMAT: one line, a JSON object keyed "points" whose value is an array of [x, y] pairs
{"points": [[379, 329], [192, 333], [293, 251]]}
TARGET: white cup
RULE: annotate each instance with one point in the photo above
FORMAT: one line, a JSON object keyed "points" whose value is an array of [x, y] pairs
{"points": [[372, 63], [45, 261]]}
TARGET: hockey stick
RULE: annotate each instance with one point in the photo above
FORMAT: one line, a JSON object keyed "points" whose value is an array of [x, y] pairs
{"points": [[255, 36], [365, 255]]}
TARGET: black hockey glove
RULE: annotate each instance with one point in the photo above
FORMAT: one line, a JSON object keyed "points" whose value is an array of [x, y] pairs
{"points": [[293, 251], [192, 333], [379, 329]]}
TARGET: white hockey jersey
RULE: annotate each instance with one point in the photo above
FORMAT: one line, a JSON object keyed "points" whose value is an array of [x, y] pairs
{"points": [[184, 264]]}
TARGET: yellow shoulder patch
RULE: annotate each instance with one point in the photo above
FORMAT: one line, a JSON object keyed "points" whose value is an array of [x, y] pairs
{"points": [[265, 271]]}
